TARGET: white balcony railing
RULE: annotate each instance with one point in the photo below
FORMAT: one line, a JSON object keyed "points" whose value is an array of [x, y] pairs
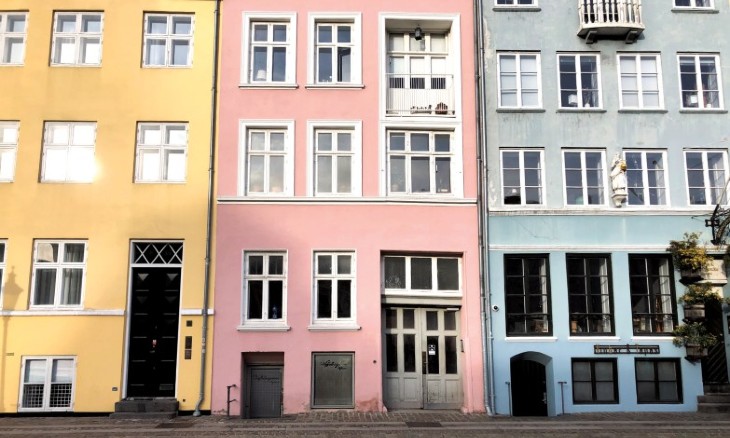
{"points": [[610, 18], [420, 94]]}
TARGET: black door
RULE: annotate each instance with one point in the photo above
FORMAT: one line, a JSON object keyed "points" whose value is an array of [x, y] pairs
{"points": [[153, 332], [529, 392], [264, 392], [714, 366]]}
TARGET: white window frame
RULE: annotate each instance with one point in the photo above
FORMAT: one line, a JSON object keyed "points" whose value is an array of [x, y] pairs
{"points": [[264, 323], [59, 267], [706, 178], [701, 104], [169, 39], [518, 80], [694, 5], [584, 186], [6, 36], [640, 75], [3, 262], [50, 361], [434, 291], [515, 3], [78, 35], [249, 19], [162, 148], [69, 147], [334, 321], [353, 20], [355, 128], [645, 177], [522, 169], [246, 126], [580, 88], [9, 132]]}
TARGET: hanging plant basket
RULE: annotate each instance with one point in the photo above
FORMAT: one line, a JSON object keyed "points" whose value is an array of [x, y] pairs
{"points": [[694, 312], [695, 352]]}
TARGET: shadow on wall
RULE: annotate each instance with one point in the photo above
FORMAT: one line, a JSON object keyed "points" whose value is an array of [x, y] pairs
{"points": [[11, 294]]}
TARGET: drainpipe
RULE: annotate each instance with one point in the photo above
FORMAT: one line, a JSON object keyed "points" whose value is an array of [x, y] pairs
{"points": [[211, 205], [482, 211]]}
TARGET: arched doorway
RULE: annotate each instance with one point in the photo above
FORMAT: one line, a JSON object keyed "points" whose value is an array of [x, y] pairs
{"points": [[529, 384]]}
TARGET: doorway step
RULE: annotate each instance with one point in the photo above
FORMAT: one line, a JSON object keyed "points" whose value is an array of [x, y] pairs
{"points": [[157, 408], [716, 399]]}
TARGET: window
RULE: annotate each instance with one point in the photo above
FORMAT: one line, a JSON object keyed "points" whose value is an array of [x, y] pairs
{"points": [[527, 295], [270, 54], [13, 30], [522, 176], [68, 152], [334, 287], [694, 4], [422, 275], [594, 381], [265, 288], [516, 2], [589, 295], [161, 152], [640, 81], [333, 380], [700, 81], [646, 178], [584, 177], [268, 168], [706, 176], [8, 150], [658, 381], [420, 162], [2, 270], [519, 80], [652, 297], [335, 50], [168, 40], [59, 271], [334, 161], [580, 83], [77, 38], [48, 384]]}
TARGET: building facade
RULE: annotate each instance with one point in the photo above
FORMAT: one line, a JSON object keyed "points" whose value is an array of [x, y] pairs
{"points": [[105, 129], [347, 259], [607, 137]]}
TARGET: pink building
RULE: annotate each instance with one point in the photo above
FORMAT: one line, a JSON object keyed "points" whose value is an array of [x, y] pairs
{"points": [[347, 261]]}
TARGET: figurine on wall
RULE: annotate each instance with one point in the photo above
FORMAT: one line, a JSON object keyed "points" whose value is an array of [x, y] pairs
{"points": [[618, 180]]}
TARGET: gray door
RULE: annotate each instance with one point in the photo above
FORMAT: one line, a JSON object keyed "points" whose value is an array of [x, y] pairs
{"points": [[264, 392]]}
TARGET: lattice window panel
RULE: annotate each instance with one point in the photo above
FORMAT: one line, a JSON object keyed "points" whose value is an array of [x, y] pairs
{"points": [[157, 253], [33, 395], [60, 395]]}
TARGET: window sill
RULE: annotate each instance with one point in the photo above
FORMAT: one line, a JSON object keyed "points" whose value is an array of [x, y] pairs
{"points": [[695, 11], [162, 67], [335, 86], [652, 338], [263, 327], [592, 338], [10, 65], [76, 65], [580, 110], [269, 86], [327, 327], [516, 9], [172, 183], [531, 339], [76, 311], [641, 110], [66, 182], [520, 110], [703, 110]]}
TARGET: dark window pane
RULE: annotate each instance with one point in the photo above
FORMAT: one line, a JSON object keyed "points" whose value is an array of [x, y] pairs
{"points": [[409, 353], [391, 352], [449, 320], [450, 354], [395, 272], [275, 299], [324, 299], [391, 318], [421, 273], [408, 318], [343, 298], [432, 320], [255, 299], [447, 274]]}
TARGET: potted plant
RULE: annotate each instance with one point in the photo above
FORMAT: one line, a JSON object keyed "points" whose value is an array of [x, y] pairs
{"points": [[689, 257], [694, 300], [695, 339]]}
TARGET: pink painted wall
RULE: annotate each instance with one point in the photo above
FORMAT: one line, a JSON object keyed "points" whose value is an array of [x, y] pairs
{"points": [[366, 228]]}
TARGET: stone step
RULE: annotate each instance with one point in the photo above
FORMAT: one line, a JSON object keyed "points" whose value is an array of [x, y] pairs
{"points": [[717, 387], [142, 415], [714, 408], [147, 406], [716, 397]]}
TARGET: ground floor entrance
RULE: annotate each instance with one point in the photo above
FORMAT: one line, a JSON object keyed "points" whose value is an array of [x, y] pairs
{"points": [[529, 388], [421, 365]]}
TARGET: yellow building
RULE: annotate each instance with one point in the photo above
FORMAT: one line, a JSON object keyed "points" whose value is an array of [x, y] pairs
{"points": [[105, 137]]}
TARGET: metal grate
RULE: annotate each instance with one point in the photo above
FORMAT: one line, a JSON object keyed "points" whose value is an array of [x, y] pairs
{"points": [[60, 395], [157, 253], [33, 395]]}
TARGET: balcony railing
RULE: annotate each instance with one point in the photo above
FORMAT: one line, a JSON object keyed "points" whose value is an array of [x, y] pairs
{"points": [[420, 94], [610, 19]]}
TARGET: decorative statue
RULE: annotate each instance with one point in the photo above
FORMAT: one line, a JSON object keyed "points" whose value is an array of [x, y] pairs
{"points": [[618, 180]]}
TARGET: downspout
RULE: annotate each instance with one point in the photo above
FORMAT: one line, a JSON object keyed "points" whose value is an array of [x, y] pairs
{"points": [[482, 210], [211, 205]]}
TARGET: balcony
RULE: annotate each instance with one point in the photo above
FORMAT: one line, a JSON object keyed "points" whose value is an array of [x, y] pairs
{"points": [[610, 19], [420, 95]]}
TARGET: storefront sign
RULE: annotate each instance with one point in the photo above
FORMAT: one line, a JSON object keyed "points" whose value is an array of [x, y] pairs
{"points": [[626, 349]]}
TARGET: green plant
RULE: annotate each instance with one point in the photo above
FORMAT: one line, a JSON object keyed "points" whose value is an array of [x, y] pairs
{"points": [[688, 254], [699, 293], [693, 333]]}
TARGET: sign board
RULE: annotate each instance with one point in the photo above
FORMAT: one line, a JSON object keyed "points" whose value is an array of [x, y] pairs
{"points": [[626, 349]]}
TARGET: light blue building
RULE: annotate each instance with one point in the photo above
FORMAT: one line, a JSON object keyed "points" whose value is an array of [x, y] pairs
{"points": [[582, 293]]}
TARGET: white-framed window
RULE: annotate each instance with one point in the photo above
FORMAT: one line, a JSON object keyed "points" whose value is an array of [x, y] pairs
{"points": [[77, 38], [59, 273], [68, 152], [700, 81], [335, 50], [585, 177], [267, 158], [421, 275], [640, 81], [522, 176], [47, 383], [168, 40], [161, 152], [646, 177], [335, 157], [421, 162], [706, 176], [8, 150], [269, 49], [13, 31], [515, 2], [519, 80], [3, 245], [264, 296], [580, 81], [334, 297], [694, 4]]}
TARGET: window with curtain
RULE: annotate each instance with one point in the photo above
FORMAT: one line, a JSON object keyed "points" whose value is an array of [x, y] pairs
{"points": [[580, 85], [527, 295], [8, 149], [519, 80], [653, 307], [2, 269], [589, 295], [334, 47], [59, 269], [420, 162], [700, 81], [646, 177], [77, 38], [161, 152], [585, 177], [522, 177], [13, 32], [48, 384], [168, 40], [334, 158], [640, 81], [706, 176]]}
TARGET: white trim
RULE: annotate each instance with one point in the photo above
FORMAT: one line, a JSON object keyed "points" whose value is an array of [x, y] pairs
{"points": [[3, 273], [47, 384], [518, 80], [289, 155], [635, 338], [537, 248], [291, 52], [249, 327], [579, 80], [605, 211], [4, 35], [636, 56], [353, 18], [56, 312], [195, 312], [78, 35], [407, 291], [593, 338], [584, 179], [529, 339], [393, 200], [356, 127], [320, 327]]}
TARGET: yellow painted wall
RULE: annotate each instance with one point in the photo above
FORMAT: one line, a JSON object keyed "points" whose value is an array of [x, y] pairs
{"points": [[112, 210]]}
